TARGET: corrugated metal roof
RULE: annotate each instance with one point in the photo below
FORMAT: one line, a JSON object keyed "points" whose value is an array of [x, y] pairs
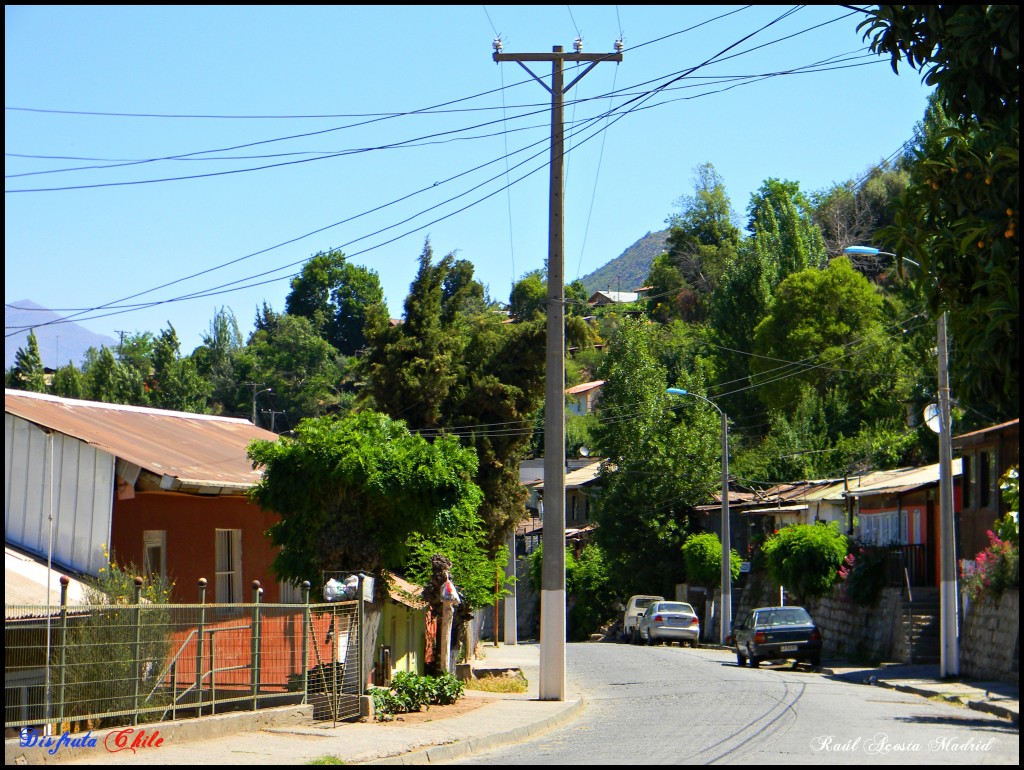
{"points": [[985, 431], [580, 477], [404, 592], [25, 583], [584, 387], [185, 449], [901, 480]]}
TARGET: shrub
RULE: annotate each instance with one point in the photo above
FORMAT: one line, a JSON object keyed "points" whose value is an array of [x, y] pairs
{"points": [[101, 667], [448, 689], [805, 558], [703, 556], [410, 692], [993, 570], [864, 575]]}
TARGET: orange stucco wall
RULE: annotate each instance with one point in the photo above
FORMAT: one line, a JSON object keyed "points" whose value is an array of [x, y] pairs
{"points": [[190, 522]]}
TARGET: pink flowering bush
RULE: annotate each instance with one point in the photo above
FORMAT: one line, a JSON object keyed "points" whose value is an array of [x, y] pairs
{"points": [[993, 570]]}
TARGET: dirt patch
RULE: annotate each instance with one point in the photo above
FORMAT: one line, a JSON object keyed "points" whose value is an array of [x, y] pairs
{"points": [[461, 706]]}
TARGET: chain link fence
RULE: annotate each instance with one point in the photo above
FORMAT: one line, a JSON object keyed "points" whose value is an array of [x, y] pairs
{"points": [[81, 668]]}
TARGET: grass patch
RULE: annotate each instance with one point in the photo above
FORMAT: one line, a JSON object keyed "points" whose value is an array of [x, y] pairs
{"points": [[500, 684], [327, 760]]}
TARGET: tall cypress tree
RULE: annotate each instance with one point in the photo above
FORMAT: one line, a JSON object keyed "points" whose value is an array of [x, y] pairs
{"points": [[28, 367]]}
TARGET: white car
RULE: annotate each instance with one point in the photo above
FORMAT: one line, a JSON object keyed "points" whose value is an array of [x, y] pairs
{"points": [[635, 607], [669, 622]]}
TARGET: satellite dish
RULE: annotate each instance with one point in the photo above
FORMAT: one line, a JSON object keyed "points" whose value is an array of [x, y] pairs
{"points": [[931, 417]]}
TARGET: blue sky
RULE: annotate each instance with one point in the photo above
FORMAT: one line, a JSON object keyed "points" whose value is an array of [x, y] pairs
{"points": [[307, 184]]}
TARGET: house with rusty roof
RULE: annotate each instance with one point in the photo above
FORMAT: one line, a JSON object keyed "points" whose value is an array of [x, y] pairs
{"points": [[165, 491]]}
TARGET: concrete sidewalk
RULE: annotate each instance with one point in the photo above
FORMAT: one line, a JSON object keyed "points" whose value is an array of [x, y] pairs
{"points": [[999, 698], [506, 718]]}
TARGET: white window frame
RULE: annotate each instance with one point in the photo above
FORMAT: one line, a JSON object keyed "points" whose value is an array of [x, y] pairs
{"points": [[228, 565], [154, 538]]}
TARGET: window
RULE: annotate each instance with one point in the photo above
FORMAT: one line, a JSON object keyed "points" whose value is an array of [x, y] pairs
{"points": [[154, 552], [984, 461], [967, 482], [228, 559]]}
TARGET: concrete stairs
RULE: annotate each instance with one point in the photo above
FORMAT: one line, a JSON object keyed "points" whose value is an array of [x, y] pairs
{"points": [[920, 627]]}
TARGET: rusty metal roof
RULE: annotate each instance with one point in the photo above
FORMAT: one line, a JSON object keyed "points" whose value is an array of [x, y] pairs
{"points": [[188, 451]]}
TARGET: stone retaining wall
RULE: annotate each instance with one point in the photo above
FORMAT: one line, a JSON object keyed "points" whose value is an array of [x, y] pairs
{"points": [[990, 638]]}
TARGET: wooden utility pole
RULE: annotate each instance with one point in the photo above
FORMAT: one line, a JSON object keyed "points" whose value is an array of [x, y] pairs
{"points": [[552, 589]]}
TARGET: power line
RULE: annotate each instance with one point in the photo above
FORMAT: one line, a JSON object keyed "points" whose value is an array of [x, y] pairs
{"points": [[605, 116]]}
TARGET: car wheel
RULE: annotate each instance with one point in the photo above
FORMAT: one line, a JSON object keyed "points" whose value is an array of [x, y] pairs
{"points": [[815, 660], [694, 644], [635, 638], [741, 660], [755, 662]]}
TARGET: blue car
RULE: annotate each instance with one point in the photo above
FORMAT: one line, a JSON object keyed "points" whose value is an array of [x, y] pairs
{"points": [[776, 633]]}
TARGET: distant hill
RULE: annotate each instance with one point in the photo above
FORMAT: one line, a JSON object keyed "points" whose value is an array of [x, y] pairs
{"points": [[629, 270], [58, 343]]}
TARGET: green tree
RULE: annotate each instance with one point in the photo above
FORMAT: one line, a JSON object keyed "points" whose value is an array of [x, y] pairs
{"points": [[304, 371], [68, 382], [796, 344], [174, 382], [702, 554], [670, 297], [474, 566], [702, 242], [463, 372], [782, 225], [338, 298], [588, 586], [352, 491], [529, 296], [106, 379], [27, 373], [958, 217], [658, 465], [215, 361]]}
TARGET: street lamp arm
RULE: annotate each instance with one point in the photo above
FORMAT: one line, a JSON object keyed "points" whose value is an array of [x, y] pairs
{"points": [[681, 392]]}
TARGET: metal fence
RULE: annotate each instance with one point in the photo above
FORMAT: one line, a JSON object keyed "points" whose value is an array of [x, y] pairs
{"points": [[87, 667]]}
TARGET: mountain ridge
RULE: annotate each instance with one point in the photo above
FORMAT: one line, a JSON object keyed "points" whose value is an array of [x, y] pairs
{"points": [[629, 270], [58, 343]]}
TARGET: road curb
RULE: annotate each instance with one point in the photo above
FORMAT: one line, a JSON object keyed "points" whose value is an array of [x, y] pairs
{"points": [[987, 707], [460, 749]]}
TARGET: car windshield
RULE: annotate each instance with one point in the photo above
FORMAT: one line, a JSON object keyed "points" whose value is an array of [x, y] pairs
{"points": [[642, 603], [675, 607], [784, 616]]}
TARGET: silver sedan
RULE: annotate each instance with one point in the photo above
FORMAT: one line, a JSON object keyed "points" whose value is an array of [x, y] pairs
{"points": [[670, 622]]}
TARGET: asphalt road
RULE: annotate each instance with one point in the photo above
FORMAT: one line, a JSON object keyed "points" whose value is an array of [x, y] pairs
{"points": [[672, 705]]}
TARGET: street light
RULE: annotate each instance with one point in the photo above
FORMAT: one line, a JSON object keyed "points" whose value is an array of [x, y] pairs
{"points": [[949, 632], [255, 393], [726, 588]]}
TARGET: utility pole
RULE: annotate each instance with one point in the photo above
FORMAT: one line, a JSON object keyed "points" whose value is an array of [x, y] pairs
{"points": [[120, 345], [949, 632], [273, 418], [552, 589], [255, 393]]}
